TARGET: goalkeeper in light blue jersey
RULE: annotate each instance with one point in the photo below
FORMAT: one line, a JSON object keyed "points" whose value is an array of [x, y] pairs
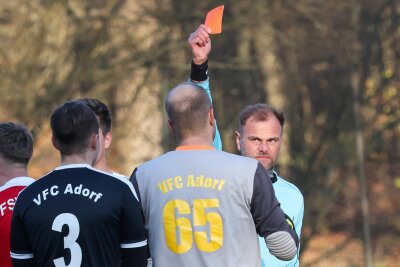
{"points": [[259, 136]]}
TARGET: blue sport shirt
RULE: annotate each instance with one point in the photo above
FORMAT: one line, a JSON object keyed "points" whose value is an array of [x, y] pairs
{"points": [[289, 196], [292, 203]]}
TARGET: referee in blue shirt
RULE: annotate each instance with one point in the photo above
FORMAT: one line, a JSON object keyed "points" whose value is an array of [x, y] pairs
{"points": [[260, 137]]}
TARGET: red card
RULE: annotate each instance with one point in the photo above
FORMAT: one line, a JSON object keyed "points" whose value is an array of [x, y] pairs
{"points": [[214, 19]]}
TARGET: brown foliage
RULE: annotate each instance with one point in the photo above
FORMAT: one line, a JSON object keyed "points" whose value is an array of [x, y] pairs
{"points": [[304, 56]]}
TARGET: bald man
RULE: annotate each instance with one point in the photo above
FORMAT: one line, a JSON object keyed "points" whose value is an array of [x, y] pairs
{"points": [[203, 207]]}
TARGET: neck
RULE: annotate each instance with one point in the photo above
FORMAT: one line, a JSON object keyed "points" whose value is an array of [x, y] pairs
{"points": [[101, 164], [76, 159], [7, 174], [196, 141]]}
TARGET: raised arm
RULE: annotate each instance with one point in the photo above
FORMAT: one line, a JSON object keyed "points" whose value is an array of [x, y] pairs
{"points": [[200, 44]]}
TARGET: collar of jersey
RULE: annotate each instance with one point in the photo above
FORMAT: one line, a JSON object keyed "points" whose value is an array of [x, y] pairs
{"points": [[17, 181], [195, 148], [272, 174], [69, 166], [274, 177]]}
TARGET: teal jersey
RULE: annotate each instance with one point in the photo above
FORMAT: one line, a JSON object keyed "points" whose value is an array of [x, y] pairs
{"points": [[292, 203], [290, 197]]}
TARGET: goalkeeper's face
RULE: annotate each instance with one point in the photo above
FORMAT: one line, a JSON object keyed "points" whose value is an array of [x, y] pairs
{"points": [[260, 140]]}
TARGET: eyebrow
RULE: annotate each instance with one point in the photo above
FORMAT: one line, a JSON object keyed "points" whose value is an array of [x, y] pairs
{"points": [[259, 138]]}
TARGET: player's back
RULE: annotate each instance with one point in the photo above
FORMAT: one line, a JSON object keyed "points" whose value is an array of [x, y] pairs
{"points": [[8, 196], [197, 209], [74, 216]]}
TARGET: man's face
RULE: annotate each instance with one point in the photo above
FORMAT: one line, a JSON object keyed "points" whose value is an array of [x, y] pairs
{"points": [[104, 144], [261, 140]]}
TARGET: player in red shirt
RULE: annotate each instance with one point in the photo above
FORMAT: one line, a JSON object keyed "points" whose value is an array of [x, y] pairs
{"points": [[16, 146]]}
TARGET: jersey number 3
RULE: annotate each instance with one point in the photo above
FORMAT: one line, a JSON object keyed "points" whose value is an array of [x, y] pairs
{"points": [[72, 223], [179, 231]]}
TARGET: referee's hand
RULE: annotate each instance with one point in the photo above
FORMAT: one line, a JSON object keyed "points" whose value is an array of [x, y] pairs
{"points": [[200, 43]]}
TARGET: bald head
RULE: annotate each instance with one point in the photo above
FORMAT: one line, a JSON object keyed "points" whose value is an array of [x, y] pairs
{"points": [[188, 106]]}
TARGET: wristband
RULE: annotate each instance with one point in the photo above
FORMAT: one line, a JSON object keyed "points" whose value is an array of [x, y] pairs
{"points": [[199, 73]]}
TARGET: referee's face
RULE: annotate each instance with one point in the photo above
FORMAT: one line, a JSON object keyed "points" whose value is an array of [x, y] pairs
{"points": [[261, 140]]}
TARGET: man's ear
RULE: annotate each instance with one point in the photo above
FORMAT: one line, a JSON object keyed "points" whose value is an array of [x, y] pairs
{"points": [[211, 116], [54, 141], [237, 135], [94, 141], [107, 140], [171, 127]]}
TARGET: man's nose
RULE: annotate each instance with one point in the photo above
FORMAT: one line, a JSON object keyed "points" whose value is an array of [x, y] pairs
{"points": [[263, 146]]}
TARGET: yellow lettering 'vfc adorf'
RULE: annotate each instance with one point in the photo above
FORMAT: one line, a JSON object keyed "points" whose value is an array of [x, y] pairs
{"points": [[200, 181]]}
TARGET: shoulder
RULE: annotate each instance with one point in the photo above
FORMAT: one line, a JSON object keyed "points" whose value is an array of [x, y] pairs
{"points": [[116, 178], [32, 185], [287, 186], [92, 175], [248, 170], [238, 159], [118, 175], [17, 182], [198, 157]]}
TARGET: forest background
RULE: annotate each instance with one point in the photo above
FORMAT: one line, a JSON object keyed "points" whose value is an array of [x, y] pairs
{"points": [[331, 66]]}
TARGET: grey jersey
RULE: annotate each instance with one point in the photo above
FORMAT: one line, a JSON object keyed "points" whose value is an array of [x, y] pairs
{"points": [[205, 208]]}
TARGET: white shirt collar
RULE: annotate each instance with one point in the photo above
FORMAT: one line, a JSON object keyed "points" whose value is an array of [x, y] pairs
{"points": [[17, 181], [70, 166]]}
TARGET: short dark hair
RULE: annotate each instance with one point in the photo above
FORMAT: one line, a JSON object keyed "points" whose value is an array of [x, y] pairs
{"points": [[72, 125], [102, 112], [16, 143], [260, 112], [187, 113]]}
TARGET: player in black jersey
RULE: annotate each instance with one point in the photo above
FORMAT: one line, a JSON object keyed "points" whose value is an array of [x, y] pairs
{"points": [[77, 215], [105, 136]]}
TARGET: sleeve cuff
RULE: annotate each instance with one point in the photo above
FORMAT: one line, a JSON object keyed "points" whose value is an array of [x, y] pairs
{"points": [[199, 73]]}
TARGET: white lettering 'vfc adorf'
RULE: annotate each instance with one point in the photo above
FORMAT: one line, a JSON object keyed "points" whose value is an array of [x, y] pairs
{"points": [[54, 191]]}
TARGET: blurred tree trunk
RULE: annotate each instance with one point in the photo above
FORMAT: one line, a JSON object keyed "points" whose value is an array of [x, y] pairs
{"points": [[358, 131]]}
